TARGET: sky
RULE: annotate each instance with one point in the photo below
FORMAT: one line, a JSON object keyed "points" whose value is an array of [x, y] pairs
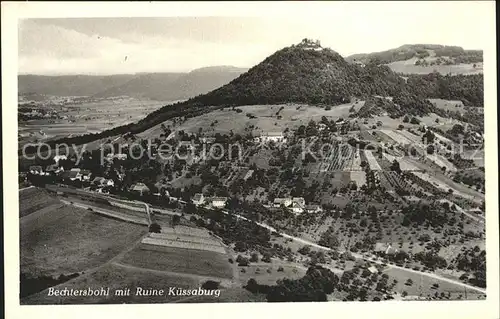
{"points": [[54, 46]]}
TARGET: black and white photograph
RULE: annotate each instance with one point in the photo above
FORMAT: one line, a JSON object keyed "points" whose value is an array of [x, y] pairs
{"points": [[327, 155]]}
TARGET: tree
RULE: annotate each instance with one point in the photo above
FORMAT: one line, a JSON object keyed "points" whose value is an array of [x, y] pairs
{"points": [[254, 258], [242, 261], [210, 285], [154, 228], [176, 219], [409, 282], [266, 258], [406, 119], [305, 250], [430, 149]]}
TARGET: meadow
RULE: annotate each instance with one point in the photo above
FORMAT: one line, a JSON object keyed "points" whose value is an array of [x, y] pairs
{"points": [[69, 239]]}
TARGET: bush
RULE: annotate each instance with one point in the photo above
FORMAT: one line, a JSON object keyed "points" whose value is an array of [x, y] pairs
{"points": [[154, 228], [254, 258], [210, 285], [430, 149], [414, 120]]}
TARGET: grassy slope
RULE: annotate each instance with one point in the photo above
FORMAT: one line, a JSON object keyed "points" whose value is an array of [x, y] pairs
{"points": [[69, 239]]}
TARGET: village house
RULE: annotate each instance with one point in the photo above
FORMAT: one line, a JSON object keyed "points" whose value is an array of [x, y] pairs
{"points": [[57, 158], [276, 137], [299, 200], [162, 189], [75, 175], [279, 202], [297, 207], [385, 249], [54, 169], [36, 170], [207, 140], [312, 209], [98, 180], [86, 175], [108, 182], [120, 156], [198, 199], [296, 204], [373, 269], [140, 188], [219, 202], [102, 182]]}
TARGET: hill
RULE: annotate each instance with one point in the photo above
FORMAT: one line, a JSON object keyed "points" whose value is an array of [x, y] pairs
{"points": [[304, 73], [310, 74], [425, 58], [174, 86]]}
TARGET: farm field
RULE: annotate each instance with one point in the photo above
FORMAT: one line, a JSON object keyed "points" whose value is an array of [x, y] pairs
{"points": [[103, 209], [33, 199], [88, 117], [423, 286], [447, 105], [372, 162], [357, 174], [179, 260], [68, 240], [396, 137], [409, 67], [117, 277]]}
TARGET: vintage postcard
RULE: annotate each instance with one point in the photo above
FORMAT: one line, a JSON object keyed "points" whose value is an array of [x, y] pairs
{"points": [[342, 155]]}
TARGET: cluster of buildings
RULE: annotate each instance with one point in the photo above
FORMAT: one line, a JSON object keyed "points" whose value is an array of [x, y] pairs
{"points": [[102, 182], [385, 249], [216, 202], [50, 169], [74, 174], [276, 137], [296, 205], [140, 189]]}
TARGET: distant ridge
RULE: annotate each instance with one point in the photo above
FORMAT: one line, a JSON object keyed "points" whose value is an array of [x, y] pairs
{"points": [[156, 86]]}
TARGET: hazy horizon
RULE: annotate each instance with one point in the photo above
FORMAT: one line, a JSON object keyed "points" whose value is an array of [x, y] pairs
{"points": [[106, 46]]}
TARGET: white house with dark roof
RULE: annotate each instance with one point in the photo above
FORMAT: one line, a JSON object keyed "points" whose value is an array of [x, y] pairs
{"points": [[276, 137], [75, 175], [198, 199], [282, 201], [140, 188], [36, 169], [57, 158], [314, 208], [86, 174], [218, 202]]}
